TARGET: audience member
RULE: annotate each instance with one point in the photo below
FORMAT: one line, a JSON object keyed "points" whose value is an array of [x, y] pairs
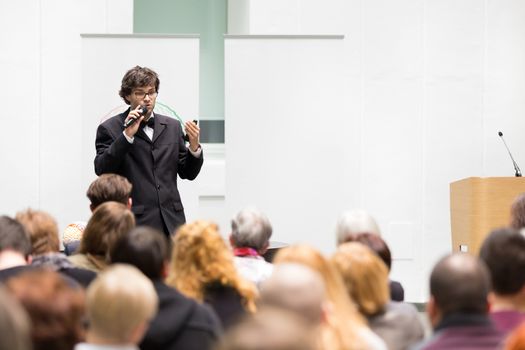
{"points": [[366, 280], [345, 328], [106, 188], [181, 322], [56, 308], [503, 251], [517, 213], [353, 223], [299, 289], [109, 222], [270, 329], [15, 248], [516, 339], [458, 306], [250, 238], [43, 231], [379, 246], [121, 301], [14, 324], [202, 268]]}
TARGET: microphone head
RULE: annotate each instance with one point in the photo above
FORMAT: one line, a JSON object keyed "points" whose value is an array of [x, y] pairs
{"points": [[144, 110], [500, 133]]}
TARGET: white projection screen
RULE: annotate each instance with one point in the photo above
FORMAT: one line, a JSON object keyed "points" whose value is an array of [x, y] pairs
{"points": [[106, 58], [285, 132]]}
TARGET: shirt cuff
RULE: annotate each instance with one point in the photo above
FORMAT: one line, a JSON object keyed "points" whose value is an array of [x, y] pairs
{"points": [[197, 153], [130, 139]]}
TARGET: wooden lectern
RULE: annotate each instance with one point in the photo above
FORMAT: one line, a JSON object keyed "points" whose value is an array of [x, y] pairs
{"points": [[478, 205]]}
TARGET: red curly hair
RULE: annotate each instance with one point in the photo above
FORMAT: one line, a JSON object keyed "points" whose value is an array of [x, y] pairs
{"points": [[202, 257]]}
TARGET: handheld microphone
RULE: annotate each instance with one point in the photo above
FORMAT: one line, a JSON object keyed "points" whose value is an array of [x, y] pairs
{"points": [[516, 167], [143, 110]]}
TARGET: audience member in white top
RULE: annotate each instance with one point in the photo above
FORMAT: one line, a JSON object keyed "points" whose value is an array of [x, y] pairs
{"points": [[120, 303], [250, 238]]}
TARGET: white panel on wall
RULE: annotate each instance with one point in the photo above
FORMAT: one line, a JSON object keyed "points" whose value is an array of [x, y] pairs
{"points": [[174, 58], [20, 62], [285, 133]]}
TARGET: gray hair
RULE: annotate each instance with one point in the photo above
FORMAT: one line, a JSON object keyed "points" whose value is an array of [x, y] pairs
{"points": [[355, 222], [251, 228]]}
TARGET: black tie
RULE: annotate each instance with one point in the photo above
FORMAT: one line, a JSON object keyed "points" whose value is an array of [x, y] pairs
{"points": [[150, 122]]}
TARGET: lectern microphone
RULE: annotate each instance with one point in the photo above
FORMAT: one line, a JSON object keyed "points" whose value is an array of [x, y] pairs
{"points": [[516, 167]]}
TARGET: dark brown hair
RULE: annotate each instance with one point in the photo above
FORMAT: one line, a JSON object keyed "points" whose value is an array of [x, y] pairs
{"points": [[109, 187], [56, 309], [14, 236], [503, 251], [42, 229], [145, 248], [374, 242], [138, 77]]}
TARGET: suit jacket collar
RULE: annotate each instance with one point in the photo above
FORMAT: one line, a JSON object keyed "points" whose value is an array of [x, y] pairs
{"points": [[160, 126]]}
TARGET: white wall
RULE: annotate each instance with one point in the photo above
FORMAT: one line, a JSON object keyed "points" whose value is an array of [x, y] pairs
{"points": [[283, 137], [40, 60], [427, 85]]}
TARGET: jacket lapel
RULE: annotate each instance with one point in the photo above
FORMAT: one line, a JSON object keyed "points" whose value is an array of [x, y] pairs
{"points": [[160, 126]]}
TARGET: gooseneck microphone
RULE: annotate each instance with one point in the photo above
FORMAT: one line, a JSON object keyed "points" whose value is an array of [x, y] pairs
{"points": [[143, 110], [516, 167]]}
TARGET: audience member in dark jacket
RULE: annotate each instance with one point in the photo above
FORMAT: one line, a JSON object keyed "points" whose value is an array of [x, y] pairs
{"points": [[181, 322], [458, 307], [43, 232]]}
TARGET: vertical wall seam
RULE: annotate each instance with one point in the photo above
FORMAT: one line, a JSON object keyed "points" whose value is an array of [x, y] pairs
{"points": [[484, 70], [362, 110], [424, 121], [40, 114]]}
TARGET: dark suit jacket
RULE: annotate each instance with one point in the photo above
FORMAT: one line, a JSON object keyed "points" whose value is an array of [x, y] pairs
{"points": [[151, 166], [180, 323]]}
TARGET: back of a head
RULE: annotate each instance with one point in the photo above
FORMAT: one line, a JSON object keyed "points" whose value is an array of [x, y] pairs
{"points": [[56, 308], [270, 329], [109, 188], [374, 242], [295, 288], [42, 229], [119, 301], [14, 323], [503, 251], [109, 222], [460, 283], [355, 222], [251, 229], [145, 248], [365, 276], [517, 213], [13, 236]]}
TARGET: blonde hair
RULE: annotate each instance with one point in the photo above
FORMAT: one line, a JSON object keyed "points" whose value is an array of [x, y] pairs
{"points": [[118, 301], [42, 229], [365, 276], [201, 257], [344, 321]]}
